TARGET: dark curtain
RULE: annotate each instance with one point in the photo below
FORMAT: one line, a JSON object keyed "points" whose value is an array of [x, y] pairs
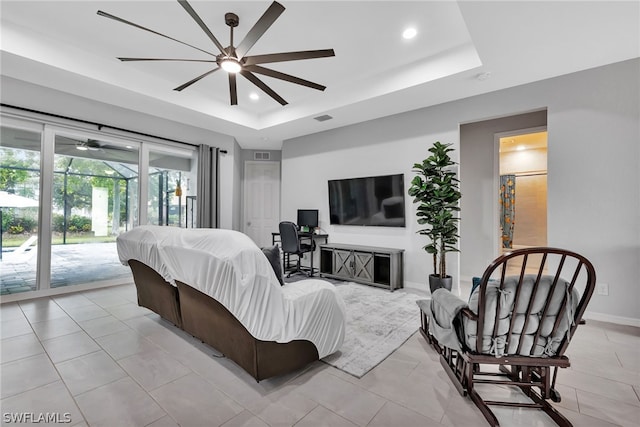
{"points": [[207, 194]]}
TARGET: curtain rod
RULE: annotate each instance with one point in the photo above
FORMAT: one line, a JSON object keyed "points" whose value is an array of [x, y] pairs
{"points": [[98, 125]]}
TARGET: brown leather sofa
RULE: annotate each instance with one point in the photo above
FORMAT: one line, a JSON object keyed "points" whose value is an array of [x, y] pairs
{"points": [[208, 320]]}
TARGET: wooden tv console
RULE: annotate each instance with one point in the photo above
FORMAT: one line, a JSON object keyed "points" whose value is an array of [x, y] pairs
{"points": [[369, 265]]}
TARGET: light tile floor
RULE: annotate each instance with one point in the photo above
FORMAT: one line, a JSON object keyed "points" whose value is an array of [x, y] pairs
{"points": [[100, 360]]}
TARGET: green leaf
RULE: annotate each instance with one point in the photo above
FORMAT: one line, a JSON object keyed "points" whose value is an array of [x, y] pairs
{"points": [[436, 192]]}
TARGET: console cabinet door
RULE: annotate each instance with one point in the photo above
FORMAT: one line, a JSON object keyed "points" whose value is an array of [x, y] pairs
{"points": [[363, 266], [343, 263]]}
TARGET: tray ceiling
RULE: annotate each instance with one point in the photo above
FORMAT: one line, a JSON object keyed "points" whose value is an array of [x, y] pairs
{"points": [[65, 45]]}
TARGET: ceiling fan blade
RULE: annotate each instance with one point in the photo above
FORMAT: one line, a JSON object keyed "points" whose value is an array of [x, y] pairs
{"points": [[124, 21], [190, 82], [233, 89], [166, 59], [61, 139], [282, 76], [287, 56], [202, 25], [90, 144], [256, 81], [260, 27], [116, 148]]}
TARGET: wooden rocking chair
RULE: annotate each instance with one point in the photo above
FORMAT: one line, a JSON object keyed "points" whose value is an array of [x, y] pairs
{"points": [[520, 319]]}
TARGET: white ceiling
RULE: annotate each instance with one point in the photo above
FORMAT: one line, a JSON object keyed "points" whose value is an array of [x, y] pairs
{"points": [[65, 45]]}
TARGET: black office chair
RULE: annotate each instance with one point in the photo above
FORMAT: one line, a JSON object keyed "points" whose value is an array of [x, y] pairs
{"points": [[291, 245]]}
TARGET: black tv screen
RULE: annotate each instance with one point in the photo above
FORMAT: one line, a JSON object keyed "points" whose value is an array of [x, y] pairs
{"points": [[308, 218], [376, 200]]}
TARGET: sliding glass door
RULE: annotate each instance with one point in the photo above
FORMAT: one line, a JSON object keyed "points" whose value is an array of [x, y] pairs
{"points": [[19, 203], [172, 187], [67, 193], [93, 201]]}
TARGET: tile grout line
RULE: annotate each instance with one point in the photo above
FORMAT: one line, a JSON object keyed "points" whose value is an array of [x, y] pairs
{"points": [[147, 392], [73, 397], [117, 364], [54, 365], [34, 388], [329, 372]]}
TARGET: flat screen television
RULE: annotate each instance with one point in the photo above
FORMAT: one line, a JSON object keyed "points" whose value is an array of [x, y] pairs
{"points": [[376, 201]]}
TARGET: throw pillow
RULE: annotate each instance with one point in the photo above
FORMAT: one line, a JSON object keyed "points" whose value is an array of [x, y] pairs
{"points": [[475, 283], [273, 255]]}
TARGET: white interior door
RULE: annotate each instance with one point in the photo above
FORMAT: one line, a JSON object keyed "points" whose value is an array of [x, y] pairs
{"points": [[261, 200]]}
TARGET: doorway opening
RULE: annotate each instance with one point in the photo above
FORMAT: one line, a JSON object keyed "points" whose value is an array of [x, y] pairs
{"points": [[522, 198]]}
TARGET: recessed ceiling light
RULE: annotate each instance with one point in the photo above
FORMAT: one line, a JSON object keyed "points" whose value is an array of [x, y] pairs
{"points": [[409, 33], [521, 148], [254, 96]]}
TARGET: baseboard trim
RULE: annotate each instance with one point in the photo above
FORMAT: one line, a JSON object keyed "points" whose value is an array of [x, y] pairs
{"points": [[619, 320], [416, 285]]}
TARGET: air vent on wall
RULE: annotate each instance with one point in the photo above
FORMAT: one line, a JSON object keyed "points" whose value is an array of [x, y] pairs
{"points": [[261, 155], [323, 118]]}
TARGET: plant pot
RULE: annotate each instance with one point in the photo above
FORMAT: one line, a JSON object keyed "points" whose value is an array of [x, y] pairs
{"points": [[437, 282]]}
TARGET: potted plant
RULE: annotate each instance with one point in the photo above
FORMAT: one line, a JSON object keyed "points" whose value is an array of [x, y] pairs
{"points": [[436, 190]]}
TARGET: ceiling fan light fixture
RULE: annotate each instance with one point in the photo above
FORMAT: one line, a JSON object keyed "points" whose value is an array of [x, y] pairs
{"points": [[82, 147], [231, 65], [233, 59]]}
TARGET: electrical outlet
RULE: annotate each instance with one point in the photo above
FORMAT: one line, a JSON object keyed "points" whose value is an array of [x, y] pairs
{"points": [[602, 289]]}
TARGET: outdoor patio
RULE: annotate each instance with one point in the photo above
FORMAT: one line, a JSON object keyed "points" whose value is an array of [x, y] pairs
{"points": [[71, 264]]}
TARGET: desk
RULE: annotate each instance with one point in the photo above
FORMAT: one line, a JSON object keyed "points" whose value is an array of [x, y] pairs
{"points": [[275, 238]]}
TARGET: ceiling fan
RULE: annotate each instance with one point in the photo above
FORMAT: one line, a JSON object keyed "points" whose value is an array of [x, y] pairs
{"points": [[234, 59], [88, 144]]}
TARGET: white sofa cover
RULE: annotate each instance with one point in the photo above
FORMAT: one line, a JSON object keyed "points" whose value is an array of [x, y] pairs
{"points": [[229, 267]]}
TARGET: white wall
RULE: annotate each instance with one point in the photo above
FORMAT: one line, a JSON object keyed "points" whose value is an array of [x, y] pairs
{"points": [[593, 120], [385, 146], [479, 242], [594, 175], [26, 95]]}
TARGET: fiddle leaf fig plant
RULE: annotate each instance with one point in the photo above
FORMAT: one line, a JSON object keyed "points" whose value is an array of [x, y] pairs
{"points": [[436, 191]]}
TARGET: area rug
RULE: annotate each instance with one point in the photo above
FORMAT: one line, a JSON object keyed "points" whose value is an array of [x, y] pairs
{"points": [[378, 322]]}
